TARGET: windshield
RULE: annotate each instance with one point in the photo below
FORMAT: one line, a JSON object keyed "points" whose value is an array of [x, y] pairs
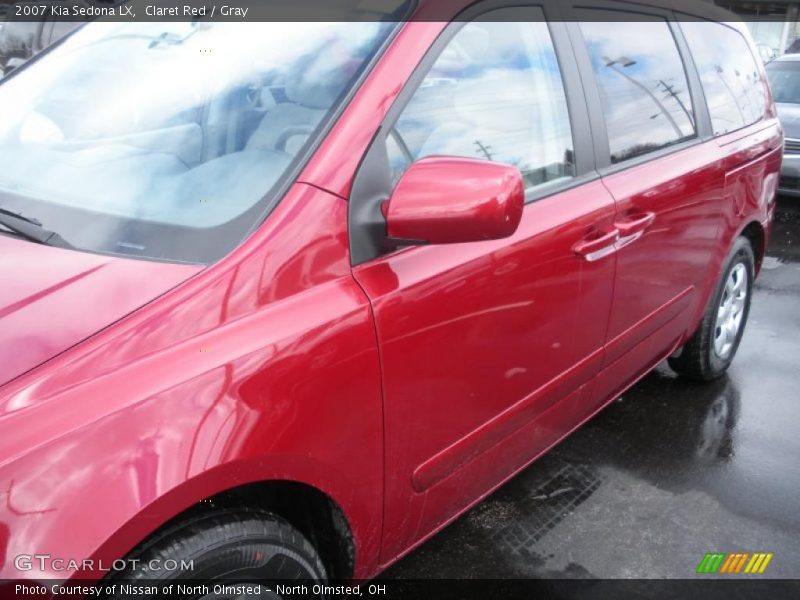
{"points": [[784, 78], [164, 140]]}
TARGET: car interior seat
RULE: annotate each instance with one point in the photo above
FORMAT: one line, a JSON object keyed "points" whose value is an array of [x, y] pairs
{"points": [[309, 92]]}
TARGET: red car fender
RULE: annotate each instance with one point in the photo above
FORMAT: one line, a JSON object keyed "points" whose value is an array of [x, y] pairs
{"points": [[262, 367]]}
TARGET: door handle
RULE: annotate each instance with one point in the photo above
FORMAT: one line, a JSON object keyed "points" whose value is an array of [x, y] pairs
{"points": [[594, 248], [635, 224]]}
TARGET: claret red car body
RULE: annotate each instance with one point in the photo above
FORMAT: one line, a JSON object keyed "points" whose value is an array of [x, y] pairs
{"points": [[396, 337]]}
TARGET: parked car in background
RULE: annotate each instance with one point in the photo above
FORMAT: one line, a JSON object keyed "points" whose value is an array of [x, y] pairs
{"points": [[286, 309], [784, 78]]}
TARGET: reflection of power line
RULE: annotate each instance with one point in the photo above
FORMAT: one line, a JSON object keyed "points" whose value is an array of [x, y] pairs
{"points": [[483, 149], [627, 62], [670, 89]]}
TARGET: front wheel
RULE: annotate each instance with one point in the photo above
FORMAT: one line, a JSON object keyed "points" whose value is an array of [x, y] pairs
{"points": [[710, 351], [225, 545]]}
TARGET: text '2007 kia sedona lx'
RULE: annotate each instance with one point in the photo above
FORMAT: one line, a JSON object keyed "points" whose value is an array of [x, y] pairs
{"points": [[288, 306]]}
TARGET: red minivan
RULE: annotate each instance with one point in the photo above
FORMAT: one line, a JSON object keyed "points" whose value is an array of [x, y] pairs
{"points": [[282, 300]]}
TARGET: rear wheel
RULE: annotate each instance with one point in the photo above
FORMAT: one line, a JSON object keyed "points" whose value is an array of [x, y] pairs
{"points": [[710, 351], [225, 544]]}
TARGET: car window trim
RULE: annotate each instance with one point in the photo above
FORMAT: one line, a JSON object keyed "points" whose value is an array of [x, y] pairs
{"points": [[702, 119]]}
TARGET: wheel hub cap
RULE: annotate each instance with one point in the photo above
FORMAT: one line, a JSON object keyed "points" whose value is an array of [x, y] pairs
{"points": [[730, 312]]}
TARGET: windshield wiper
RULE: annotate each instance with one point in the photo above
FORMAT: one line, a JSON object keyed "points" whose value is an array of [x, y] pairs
{"points": [[31, 229]]}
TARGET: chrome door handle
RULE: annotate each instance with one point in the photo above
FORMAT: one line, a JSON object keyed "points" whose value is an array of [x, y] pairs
{"points": [[635, 224], [598, 246]]}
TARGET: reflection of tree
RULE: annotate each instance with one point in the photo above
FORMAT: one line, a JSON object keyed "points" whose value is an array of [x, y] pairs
{"points": [[637, 150], [747, 84], [16, 42], [534, 176], [721, 74]]}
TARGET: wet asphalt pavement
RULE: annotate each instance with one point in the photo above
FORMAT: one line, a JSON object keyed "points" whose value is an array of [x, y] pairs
{"points": [[665, 474]]}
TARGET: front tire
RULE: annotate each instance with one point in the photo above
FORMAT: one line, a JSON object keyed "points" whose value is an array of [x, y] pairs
{"points": [[710, 351], [226, 544]]}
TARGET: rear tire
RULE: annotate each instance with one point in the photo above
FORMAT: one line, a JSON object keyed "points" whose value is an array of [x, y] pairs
{"points": [[226, 544], [710, 351]]}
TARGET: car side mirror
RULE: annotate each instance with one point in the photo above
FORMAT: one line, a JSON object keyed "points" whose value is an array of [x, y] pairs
{"points": [[447, 200]]}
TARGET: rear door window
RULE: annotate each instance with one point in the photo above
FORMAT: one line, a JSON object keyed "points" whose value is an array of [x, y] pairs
{"points": [[733, 85], [642, 82], [734, 88]]}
